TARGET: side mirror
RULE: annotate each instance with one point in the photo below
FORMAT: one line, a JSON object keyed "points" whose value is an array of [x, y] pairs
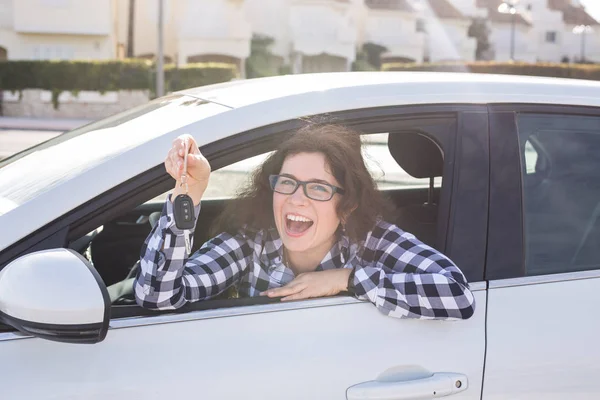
{"points": [[55, 294]]}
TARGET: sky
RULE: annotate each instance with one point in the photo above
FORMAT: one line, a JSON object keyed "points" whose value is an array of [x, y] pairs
{"points": [[592, 7]]}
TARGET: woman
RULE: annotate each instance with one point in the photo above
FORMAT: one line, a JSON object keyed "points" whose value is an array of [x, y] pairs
{"points": [[309, 225]]}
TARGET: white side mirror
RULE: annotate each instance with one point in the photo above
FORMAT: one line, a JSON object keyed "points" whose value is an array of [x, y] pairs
{"points": [[55, 294]]}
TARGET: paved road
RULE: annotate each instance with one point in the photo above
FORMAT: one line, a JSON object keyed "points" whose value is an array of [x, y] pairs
{"points": [[12, 141]]}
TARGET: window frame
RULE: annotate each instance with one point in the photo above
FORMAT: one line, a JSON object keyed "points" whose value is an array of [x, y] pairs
{"points": [[552, 35], [457, 191], [506, 218]]}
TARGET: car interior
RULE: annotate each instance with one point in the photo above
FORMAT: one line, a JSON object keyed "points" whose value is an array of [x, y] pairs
{"points": [[114, 248]]}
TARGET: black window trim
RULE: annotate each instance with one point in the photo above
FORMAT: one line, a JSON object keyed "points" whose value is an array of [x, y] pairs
{"points": [[155, 181], [506, 247]]}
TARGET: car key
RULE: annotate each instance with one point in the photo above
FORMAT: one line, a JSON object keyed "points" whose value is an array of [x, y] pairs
{"points": [[183, 206]]}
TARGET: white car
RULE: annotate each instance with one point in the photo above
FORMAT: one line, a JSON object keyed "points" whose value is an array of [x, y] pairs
{"points": [[502, 173]]}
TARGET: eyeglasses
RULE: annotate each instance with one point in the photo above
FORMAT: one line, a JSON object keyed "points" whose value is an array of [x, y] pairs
{"points": [[313, 190]]}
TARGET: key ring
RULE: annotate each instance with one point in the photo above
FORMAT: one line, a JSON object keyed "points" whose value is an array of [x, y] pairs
{"points": [[184, 174], [184, 182]]}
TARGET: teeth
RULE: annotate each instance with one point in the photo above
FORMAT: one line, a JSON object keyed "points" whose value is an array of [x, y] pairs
{"points": [[298, 218]]}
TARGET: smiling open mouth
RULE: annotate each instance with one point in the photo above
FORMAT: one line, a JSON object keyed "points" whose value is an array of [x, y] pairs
{"points": [[297, 224]]}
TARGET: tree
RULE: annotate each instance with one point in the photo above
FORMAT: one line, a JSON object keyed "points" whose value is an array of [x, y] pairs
{"points": [[374, 52], [262, 62], [480, 31], [369, 57]]}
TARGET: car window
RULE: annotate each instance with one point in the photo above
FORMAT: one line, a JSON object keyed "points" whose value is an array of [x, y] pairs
{"points": [[227, 181], [560, 157], [114, 247]]}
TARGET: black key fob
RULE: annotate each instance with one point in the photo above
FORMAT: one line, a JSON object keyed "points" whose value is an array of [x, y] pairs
{"points": [[183, 209]]}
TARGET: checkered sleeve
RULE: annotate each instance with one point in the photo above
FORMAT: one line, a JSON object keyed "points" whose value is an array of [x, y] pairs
{"points": [[406, 278], [168, 278]]}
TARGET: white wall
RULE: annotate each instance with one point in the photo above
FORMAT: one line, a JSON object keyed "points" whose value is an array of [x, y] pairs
{"points": [[86, 105], [57, 29], [396, 31], [213, 27], [60, 47], [271, 18], [525, 43], [79, 17], [545, 20], [469, 8], [447, 40], [321, 27], [571, 45], [145, 23], [6, 14]]}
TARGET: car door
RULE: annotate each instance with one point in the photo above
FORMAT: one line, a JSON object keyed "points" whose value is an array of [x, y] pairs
{"points": [[543, 260], [329, 348]]}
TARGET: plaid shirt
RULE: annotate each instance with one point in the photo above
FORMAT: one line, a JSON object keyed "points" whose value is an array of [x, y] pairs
{"points": [[400, 275]]}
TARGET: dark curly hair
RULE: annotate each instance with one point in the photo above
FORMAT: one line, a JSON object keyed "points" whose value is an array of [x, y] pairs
{"points": [[360, 206]]}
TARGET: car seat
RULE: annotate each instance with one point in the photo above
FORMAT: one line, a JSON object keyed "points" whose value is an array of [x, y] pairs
{"points": [[420, 157]]}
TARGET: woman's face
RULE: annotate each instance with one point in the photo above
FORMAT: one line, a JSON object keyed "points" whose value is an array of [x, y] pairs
{"points": [[305, 224]]}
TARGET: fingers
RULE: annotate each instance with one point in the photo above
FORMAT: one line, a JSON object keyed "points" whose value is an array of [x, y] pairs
{"points": [[298, 296], [185, 143], [175, 158], [170, 167], [288, 290], [174, 164]]}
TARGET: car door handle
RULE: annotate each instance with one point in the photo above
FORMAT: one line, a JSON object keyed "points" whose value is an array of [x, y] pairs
{"points": [[434, 386]]}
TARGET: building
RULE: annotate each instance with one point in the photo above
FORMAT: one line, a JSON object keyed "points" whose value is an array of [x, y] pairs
{"points": [[543, 30], [58, 29], [511, 35], [447, 32], [583, 46], [194, 31], [548, 29], [394, 24], [305, 35], [309, 35]]}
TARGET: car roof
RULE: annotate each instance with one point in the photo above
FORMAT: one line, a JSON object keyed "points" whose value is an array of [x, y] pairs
{"points": [[240, 106], [413, 87]]}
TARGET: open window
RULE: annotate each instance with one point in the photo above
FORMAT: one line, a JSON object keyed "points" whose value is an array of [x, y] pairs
{"points": [[411, 163]]}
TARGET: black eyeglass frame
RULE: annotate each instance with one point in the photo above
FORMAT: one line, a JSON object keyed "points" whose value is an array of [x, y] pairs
{"points": [[273, 180]]}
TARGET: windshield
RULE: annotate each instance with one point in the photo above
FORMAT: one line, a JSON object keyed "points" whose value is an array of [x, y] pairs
{"points": [[35, 170]]}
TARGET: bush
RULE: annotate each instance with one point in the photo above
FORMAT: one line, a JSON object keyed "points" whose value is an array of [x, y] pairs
{"points": [[75, 75], [103, 76], [193, 75], [575, 71]]}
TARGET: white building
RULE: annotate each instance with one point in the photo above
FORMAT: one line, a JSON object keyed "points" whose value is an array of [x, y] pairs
{"points": [[57, 29], [310, 35], [574, 15], [548, 29], [210, 30], [393, 24], [543, 29], [511, 35], [446, 32]]}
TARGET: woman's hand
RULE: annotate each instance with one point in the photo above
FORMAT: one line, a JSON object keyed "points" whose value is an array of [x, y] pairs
{"points": [[313, 284], [198, 168]]}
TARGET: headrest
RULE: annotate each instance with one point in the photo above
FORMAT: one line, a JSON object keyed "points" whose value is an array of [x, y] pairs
{"points": [[416, 154]]}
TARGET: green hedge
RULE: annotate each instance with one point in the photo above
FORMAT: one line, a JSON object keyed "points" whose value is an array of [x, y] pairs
{"points": [[103, 76], [575, 71], [193, 75]]}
